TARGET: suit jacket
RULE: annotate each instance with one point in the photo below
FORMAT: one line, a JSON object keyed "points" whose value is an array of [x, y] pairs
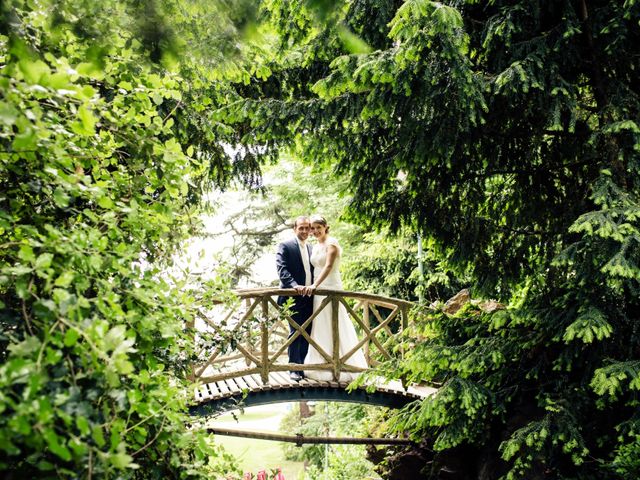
{"points": [[290, 266]]}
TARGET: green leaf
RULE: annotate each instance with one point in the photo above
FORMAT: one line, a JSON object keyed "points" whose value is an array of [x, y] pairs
{"points": [[71, 337], [611, 379], [25, 141], [106, 202], [91, 70], [65, 279], [8, 114], [60, 197], [98, 435], [122, 460], [88, 120], [83, 425], [33, 71], [25, 348], [115, 337], [26, 253], [56, 444], [43, 261]]}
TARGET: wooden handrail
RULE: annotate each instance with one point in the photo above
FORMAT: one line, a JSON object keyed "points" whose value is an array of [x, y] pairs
{"points": [[291, 292]]}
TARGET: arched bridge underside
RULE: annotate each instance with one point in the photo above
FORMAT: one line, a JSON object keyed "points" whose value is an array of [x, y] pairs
{"points": [[243, 351], [249, 390]]}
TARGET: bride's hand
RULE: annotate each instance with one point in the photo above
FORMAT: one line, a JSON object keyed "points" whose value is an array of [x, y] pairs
{"points": [[309, 290]]}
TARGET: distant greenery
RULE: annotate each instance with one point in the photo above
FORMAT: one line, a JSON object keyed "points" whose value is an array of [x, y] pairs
{"points": [[334, 462]]}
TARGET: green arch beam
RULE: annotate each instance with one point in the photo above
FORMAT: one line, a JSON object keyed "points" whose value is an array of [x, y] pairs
{"points": [[300, 394]]}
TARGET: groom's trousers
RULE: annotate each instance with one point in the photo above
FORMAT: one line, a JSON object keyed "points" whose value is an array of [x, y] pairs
{"points": [[300, 312]]}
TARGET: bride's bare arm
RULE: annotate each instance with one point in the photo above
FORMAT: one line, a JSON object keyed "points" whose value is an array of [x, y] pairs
{"points": [[332, 253]]}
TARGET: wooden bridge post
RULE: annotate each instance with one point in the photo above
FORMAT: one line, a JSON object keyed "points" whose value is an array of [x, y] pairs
{"points": [[405, 317], [367, 323], [250, 343], [335, 303], [404, 323], [264, 347]]}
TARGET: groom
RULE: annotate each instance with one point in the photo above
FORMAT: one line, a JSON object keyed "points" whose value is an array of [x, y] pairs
{"points": [[295, 271]]}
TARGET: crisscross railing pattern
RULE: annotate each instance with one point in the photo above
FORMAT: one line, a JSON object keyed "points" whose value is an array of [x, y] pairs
{"points": [[251, 334]]}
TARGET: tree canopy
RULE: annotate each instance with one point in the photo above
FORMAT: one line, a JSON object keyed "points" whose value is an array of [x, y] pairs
{"points": [[505, 132]]}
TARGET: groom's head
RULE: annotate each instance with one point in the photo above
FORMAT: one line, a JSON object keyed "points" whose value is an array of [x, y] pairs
{"points": [[301, 228]]}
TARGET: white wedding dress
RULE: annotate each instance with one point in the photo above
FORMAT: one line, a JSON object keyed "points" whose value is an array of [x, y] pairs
{"points": [[321, 325]]}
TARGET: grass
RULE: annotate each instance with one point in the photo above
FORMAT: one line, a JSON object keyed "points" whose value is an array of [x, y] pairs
{"points": [[246, 416], [254, 455]]}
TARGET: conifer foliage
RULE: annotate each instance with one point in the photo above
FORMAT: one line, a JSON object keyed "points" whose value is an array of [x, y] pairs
{"points": [[507, 133]]}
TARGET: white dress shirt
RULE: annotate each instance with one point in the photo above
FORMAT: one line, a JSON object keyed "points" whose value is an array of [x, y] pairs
{"points": [[304, 253]]}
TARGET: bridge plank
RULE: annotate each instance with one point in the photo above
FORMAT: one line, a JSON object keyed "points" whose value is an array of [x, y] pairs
{"points": [[201, 393], [224, 390], [242, 384], [216, 392], [276, 381], [306, 382], [323, 383], [256, 378], [208, 392], [233, 386], [253, 385], [284, 379]]}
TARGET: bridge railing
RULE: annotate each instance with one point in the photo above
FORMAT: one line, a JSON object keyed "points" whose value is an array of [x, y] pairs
{"points": [[250, 335]]}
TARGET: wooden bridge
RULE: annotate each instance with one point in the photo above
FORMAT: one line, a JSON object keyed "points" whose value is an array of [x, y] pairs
{"points": [[243, 350]]}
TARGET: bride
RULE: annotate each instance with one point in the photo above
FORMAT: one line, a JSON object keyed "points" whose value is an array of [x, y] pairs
{"points": [[325, 259]]}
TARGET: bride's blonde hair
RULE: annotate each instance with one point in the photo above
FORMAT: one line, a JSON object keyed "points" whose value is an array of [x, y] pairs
{"points": [[319, 219]]}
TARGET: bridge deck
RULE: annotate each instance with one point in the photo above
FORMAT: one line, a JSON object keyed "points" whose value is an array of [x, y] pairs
{"points": [[280, 385]]}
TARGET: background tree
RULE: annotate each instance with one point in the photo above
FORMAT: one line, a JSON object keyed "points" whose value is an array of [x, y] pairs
{"points": [[378, 262], [507, 134]]}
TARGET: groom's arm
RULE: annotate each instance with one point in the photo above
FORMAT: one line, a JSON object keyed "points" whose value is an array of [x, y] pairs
{"points": [[283, 269]]}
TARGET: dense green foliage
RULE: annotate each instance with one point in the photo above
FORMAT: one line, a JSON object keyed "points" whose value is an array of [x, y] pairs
{"points": [[505, 132], [105, 150]]}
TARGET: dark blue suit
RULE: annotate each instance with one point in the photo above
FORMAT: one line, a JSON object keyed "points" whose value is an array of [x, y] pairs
{"points": [[291, 273]]}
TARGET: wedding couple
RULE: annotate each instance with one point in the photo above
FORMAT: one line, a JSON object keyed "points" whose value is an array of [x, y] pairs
{"points": [[305, 269]]}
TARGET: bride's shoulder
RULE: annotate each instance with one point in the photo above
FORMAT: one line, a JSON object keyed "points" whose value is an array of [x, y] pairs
{"points": [[333, 241]]}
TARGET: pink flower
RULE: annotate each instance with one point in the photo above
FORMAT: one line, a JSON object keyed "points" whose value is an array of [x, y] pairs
{"points": [[262, 475], [279, 475]]}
